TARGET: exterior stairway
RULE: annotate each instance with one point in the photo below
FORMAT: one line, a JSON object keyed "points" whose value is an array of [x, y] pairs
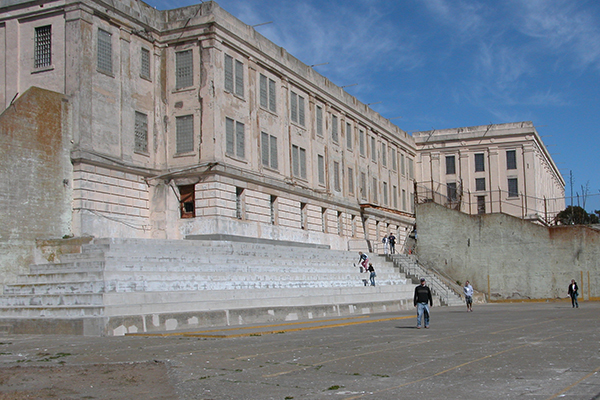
{"points": [[120, 286], [449, 293]]}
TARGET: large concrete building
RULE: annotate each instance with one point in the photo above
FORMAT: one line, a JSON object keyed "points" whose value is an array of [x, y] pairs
{"points": [[189, 123], [490, 169]]}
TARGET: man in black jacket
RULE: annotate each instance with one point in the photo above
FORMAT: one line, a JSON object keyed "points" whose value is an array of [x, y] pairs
{"points": [[422, 301], [573, 293]]}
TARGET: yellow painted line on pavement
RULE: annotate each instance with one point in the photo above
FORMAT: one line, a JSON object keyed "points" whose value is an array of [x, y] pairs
{"points": [[574, 384], [307, 328], [238, 328]]}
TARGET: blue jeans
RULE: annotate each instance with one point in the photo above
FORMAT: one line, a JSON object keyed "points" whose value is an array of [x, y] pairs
{"points": [[372, 278], [422, 308]]}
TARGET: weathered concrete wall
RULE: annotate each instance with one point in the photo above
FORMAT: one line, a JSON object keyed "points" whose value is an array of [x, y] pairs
{"points": [[506, 257], [36, 177]]}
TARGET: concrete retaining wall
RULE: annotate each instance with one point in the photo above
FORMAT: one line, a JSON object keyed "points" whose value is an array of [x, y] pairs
{"points": [[506, 257]]}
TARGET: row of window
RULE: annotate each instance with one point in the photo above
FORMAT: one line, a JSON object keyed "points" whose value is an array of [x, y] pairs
{"points": [[511, 162], [188, 210], [452, 192]]}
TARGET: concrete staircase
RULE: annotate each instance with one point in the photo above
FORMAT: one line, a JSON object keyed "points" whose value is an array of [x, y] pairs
{"points": [[448, 292], [120, 286]]}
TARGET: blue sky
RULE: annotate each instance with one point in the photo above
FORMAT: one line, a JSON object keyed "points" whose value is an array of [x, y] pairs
{"points": [[452, 63]]}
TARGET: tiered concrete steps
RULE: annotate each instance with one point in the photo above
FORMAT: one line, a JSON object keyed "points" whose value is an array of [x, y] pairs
{"points": [[119, 286]]}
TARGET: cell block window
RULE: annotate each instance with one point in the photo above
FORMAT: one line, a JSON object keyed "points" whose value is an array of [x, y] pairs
{"points": [[269, 150], [340, 223], [234, 76], [267, 93], [395, 196], [450, 165], [402, 167], [273, 203], [411, 168], [319, 121], [297, 108], [141, 133], [479, 162], [303, 216], [334, 128], [348, 136], [185, 133], [187, 201], [336, 176], [480, 184], [385, 193], [324, 220], [235, 138], [374, 190], [511, 159], [383, 154], [104, 52], [451, 191], [373, 149], [321, 169], [145, 64], [240, 199], [43, 47], [513, 187], [350, 181], [394, 159], [363, 185], [298, 162], [361, 143], [184, 66], [480, 204]]}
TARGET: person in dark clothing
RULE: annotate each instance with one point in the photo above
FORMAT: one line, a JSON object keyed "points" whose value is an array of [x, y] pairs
{"points": [[423, 300], [372, 274], [363, 261], [573, 293], [392, 242]]}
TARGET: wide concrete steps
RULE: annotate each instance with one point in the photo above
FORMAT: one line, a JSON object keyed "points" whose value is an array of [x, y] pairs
{"points": [[115, 286]]}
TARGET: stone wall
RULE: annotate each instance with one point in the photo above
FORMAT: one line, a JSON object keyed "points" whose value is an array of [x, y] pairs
{"points": [[35, 189], [506, 257]]}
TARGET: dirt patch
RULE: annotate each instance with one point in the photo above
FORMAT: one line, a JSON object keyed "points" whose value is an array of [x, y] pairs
{"points": [[146, 380]]}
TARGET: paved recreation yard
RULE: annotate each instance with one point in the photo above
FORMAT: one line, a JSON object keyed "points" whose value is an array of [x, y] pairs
{"points": [[499, 351]]}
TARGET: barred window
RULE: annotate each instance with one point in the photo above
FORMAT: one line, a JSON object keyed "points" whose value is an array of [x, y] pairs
{"points": [[297, 108], [235, 138], [334, 128], [104, 52], [336, 176], [450, 165], [348, 136], [145, 64], [141, 132], [363, 185], [269, 150], [393, 158], [267, 93], [479, 184], [374, 190], [511, 159], [513, 187], [185, 133], [321, 168], [361, 142], [43, 47], [319, 121], [373, 149], [395, 196], [350, 181], [298, 162], [479, 162], [384, 154], [385, 193], [184, 69]]}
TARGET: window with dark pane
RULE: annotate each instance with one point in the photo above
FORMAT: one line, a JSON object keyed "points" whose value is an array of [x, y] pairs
{"points": [[43, 47]]}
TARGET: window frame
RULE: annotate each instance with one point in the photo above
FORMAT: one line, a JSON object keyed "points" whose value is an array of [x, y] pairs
{"points": [[179, 139], [140, 139], [451, 165], [479, 162], [235, 139], [42, 51], [511, 159], [104, 49], [184, 74]]}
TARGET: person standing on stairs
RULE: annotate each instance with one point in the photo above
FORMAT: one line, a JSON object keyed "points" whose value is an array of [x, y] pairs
{"points": [[385, 242], [372, 274], [363, 261], [422, 301], [392, 240]]}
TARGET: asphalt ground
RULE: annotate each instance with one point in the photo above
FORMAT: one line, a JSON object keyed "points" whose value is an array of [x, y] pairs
{"points": [[499, 351]]}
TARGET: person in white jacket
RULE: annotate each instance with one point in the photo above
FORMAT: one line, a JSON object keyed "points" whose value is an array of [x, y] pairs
{"points": [[468, 289]]}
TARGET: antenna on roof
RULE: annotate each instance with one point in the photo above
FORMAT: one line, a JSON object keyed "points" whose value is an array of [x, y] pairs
{"points": [[316, 65], [345, 86], [261, 24], [377, 102]]}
